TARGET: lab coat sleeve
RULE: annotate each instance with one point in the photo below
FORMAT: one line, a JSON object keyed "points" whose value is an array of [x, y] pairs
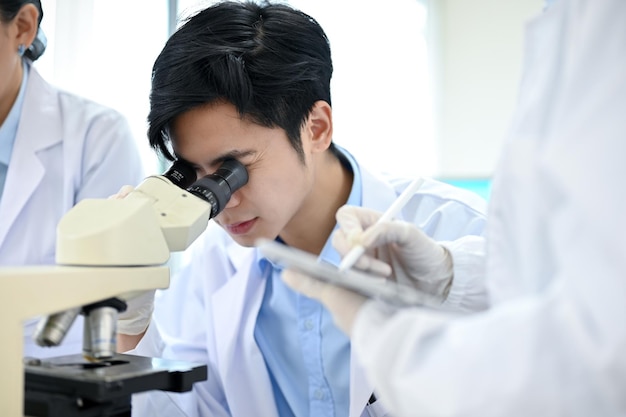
{"points": [[468, 292], [456, 219]]}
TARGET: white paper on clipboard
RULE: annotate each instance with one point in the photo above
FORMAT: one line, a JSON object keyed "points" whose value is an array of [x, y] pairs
{"points": [[371, 286]]}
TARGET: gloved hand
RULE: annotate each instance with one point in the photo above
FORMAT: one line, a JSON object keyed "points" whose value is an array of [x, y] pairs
{"points": [[395, 249], [136, 318], [139, 309], [343, 304], [123, 192]]}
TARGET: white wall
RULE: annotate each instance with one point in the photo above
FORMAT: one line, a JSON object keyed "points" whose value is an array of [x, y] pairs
{"points": [[476, 68], [104, 50], [382, 107]]}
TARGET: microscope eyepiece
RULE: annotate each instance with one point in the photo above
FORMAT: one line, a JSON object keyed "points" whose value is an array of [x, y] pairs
{"points": [[181, 174], [217, 188]]}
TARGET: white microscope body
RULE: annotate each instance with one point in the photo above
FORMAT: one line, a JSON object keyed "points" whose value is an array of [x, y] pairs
{"points": [[106, 248]]}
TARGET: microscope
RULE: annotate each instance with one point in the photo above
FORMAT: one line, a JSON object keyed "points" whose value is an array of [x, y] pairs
{"points": [[108, 251]]}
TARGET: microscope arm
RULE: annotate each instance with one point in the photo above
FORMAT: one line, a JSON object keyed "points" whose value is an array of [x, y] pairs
{"points": [[31, 291]]}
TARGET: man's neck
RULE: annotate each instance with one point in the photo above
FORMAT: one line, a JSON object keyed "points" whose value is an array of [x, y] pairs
{"points": [[310, 228]]}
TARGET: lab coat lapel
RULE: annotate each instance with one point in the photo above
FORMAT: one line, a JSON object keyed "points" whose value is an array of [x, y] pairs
{"points": [[360, 388], [39, 128], [236, 305], [377, 195]]}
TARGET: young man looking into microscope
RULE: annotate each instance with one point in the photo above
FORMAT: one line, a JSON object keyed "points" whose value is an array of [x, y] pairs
{"points": [[252, 82]]}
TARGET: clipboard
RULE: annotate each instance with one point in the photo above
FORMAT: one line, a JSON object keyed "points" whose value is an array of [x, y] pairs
{"points": [[368, 285]]}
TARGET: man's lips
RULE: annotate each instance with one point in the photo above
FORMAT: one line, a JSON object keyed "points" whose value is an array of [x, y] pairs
{"points": [[240, 228]]}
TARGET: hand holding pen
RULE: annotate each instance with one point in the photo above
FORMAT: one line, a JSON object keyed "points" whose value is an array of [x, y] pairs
{"points": [[358, 250], [373, 243]]}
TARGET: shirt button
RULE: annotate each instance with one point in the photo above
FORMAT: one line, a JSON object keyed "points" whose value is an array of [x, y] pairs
{"points": [[319, 394], [308, 324]]}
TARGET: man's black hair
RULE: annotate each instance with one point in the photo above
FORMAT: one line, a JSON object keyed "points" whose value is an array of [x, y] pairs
{"points": [[272, 62]]}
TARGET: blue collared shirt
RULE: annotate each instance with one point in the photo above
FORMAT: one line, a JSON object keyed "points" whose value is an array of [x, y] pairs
{"points": [[307, 356], [8, 131]]}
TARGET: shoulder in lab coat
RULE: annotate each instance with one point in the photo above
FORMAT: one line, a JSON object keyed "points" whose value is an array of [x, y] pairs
{"points": [[67, 148], [208, 313]]}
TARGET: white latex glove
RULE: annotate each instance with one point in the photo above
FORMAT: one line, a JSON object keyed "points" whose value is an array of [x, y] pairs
{"points": [[395, 249], [123, 192], [343, 304], [136, 318]]}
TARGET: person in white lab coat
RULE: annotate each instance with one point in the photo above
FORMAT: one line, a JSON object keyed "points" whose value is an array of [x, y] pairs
{"points": [[55, 149], [252, 82], [553, 341]]}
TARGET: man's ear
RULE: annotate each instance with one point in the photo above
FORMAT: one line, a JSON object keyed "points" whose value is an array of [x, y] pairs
{"points": [[26, 23], [319, 126]]}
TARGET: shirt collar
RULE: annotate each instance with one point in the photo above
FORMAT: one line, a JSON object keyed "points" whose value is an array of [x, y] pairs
{"points": [[8, 130], [329, 254]]}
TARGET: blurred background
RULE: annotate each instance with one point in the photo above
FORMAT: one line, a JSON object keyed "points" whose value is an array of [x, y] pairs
{"points": [[420, 87]]}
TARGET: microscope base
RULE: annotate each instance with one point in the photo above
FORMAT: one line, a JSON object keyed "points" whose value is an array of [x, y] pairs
{"points": [[70, 386]]}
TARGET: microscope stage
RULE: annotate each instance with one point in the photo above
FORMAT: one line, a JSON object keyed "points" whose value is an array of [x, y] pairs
{"points": [[113, 380]]}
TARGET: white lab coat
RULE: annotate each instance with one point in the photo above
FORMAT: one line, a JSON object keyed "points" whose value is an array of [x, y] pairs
{"points": [[209, 312], [554, 342], [66, 149]]}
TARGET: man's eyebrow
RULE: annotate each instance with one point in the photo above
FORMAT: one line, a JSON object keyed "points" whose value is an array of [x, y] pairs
{"points": [[234, 154]]}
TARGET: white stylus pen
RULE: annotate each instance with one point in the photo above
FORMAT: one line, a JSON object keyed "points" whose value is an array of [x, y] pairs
{"points": [[356, 252]]}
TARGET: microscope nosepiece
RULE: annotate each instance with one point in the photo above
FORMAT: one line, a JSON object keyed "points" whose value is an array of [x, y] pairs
{"points": [[51, 330], [100, 333]]}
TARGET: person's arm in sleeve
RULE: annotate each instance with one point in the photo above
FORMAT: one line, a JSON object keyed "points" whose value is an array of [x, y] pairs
{"points": [[468, 292], [557, 353]]}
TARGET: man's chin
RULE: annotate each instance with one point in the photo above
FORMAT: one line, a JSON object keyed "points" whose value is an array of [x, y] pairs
{"points": [[244, 241], [250, 241]]}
